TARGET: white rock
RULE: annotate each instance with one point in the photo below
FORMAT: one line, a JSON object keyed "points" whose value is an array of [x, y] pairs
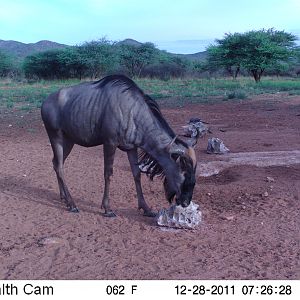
{"points": [[180, 217], [48, 241], [195, 128], [270, 179], [216, 146], [228, 218]]}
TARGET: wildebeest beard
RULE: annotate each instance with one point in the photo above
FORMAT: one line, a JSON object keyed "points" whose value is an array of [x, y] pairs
{"points": [[150, 166]]}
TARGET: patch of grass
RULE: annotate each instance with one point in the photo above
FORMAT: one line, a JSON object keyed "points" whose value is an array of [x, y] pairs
{"points": [[34, 93], [239, 94], [27, 107], [279, 85], [173, 92], [9, 104], [294, 92]]}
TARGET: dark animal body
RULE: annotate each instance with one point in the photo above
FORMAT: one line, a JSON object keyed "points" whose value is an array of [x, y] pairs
{"points": [[114, 112]]}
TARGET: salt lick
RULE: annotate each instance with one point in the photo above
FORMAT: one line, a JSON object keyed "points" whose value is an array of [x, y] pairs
{"points": [[180, 217]]}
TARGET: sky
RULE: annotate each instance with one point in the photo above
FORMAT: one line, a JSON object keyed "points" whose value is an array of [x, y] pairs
{"points": [[178, 26]]}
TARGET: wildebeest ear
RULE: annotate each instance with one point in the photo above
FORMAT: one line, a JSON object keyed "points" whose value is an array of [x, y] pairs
{"points": [[175, 149], [192, 155]]}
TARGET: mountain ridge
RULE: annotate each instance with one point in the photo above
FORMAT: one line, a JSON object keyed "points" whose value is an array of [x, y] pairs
{"points": [[21, 50]]}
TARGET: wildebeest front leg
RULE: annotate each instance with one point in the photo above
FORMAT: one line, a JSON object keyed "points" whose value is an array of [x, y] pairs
{"points": [[109, 154], [133, 160]]}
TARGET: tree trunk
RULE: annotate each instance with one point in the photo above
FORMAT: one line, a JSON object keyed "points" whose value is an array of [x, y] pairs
{"points": [[260, 73], [229, 70], [237, 70], [256, 75]]}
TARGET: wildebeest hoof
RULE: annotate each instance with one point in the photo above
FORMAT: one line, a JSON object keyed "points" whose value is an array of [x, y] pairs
{"points": [[150, 214], [74, 210], [109, 214]]}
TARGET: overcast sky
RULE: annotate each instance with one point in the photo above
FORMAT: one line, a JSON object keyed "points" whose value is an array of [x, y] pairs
{"points": [[164, 22]]}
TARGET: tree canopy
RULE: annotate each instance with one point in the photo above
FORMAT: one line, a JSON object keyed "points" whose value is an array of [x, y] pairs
{"points": [[92, 59], [134, 58], [98, 58], [255, 51], [6, 64]]}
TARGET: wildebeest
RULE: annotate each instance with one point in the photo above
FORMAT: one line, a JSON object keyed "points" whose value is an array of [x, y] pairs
{"points": [[115, 112]]}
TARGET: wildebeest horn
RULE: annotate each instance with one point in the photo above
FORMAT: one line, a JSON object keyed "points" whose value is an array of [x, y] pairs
{"points": [[189, 152], [172, 148], [173, 141]]}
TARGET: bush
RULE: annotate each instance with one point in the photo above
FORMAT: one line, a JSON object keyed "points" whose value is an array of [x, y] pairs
{"points": [[7, 66], [167, 67], [239, 94], [135, 58], [44, 65], [92, 59]]}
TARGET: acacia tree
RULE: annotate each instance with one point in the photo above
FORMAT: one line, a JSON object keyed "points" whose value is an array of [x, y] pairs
{"points": [[255, 51], [134, 58], [6, 64], [44, 65], [99, 56], [226, 54], [267, 49], [92, 59], [73, 63]]}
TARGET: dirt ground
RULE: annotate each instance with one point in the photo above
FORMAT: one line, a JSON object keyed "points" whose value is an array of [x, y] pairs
{"points": [[250, 228]]}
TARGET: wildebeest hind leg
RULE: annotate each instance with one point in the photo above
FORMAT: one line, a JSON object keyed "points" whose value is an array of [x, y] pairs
{"points": [[133, 160], [109, 154], [61, 149]]}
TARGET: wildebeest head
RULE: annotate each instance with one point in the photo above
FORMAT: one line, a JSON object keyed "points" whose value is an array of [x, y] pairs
{"points": [[178, 174], [181, 187]]}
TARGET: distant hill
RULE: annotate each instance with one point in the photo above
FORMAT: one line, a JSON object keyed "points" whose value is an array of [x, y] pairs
{"points": [[200, 56], [130, 42], [22, 50]]}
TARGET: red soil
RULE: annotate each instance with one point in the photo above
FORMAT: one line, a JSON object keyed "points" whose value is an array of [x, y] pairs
{"points": [[246, 233]]}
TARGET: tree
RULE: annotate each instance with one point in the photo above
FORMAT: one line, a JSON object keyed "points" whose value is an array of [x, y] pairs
{"points": [[6, 64], [167, 66], [267, 49], [46, 65], [255, 51], [99, 57], [73, 63], [227, 54], [134, 58], [297, 61], [92, 59]]}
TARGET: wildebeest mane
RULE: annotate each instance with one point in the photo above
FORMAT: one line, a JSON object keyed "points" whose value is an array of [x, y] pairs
{"points": [[126, 84], [153, 105], [121, 81], [147, 163]]}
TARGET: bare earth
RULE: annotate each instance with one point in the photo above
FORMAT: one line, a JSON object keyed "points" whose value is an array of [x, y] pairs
{"points": [[250, 228]]}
